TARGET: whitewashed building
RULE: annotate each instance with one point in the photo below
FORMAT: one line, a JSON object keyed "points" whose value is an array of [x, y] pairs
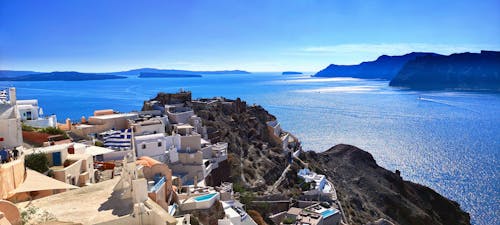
{"points": [[10, 122], [32, 115]]}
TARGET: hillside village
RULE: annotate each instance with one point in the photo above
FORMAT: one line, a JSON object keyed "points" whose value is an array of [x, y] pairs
{"points": [[177, 161]]}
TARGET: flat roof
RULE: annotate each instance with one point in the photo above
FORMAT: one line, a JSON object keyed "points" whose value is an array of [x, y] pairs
{"points": [[149, 137], [113, 116], [87, 205], [184, 126]]}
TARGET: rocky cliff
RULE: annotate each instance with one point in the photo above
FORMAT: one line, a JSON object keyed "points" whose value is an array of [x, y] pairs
{"points": [[456, 71], [385, 67], [369, 192], [256, 159]]}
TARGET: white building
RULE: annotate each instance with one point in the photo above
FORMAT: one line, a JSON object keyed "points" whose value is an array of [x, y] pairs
{"points": [[319, 180], [31, 114], [10, 123]]}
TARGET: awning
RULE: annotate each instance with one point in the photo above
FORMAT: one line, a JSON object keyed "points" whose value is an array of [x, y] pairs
{"points": [[36, 181], [95, 150]]}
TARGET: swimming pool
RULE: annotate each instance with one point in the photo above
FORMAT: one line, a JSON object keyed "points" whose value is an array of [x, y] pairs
{"points": [[328, 212], [204, 197]]}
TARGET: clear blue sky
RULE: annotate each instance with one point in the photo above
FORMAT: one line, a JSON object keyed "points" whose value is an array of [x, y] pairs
{"points": [[256, 35]]}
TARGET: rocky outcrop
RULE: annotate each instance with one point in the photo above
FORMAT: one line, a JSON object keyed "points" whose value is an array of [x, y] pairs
{"points": [[457, 71], [369, 192], [256, 159], [385, 67]]}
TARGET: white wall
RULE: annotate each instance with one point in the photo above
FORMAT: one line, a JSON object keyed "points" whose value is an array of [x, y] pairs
{"points": [[10, 131]]}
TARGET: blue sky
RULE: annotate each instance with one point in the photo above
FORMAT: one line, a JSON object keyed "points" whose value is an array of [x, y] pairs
{"points": [[258, 35]]}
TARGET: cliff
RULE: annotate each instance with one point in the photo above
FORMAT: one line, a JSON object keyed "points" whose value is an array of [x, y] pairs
{"points": [[61, 76], [457, 71], [369, 192], [384, 67], [255, 159]]}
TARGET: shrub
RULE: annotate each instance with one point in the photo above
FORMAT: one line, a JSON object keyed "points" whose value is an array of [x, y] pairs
{"points": [[99, 144], [289, 220], [25, 127], [52, 130], [37, 161]]}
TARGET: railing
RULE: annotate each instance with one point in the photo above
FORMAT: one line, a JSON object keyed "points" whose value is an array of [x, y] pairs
{"points": [[158, 185]]}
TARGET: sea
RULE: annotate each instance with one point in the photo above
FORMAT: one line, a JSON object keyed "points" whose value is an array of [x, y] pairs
{"points": [[449, 141]]}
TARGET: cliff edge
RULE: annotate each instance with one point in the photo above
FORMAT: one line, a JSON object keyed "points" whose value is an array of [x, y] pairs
{"points": [[369, 192]]}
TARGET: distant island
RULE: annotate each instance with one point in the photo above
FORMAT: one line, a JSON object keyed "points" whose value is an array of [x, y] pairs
{"points": [[384, 67], [166, 75], [61, 76], [15, 73], [467, 71], [291, 73], [25, 75], [173, 71]]}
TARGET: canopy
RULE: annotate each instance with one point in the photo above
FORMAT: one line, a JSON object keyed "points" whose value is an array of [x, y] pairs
{"points": [[36, 181], [95, 150]]}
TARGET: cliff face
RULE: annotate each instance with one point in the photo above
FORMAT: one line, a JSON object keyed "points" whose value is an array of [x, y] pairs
{"points": [[385, 67], [256, 159], [369, 192], [457, 71]]}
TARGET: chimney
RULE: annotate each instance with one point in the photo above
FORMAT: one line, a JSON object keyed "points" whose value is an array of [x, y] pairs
{"points": [[84, 120], [12, 95], [68, 124]]}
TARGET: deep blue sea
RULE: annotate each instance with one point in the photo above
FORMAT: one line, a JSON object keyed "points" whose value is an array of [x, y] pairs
{"points": [[449, 141]]}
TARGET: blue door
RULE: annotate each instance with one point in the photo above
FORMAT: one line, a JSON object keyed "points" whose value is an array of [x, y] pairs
{"points": [[56, 158]]}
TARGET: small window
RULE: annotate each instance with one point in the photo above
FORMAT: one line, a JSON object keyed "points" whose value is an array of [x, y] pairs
{"points": [[159, 144], [143, 146]]}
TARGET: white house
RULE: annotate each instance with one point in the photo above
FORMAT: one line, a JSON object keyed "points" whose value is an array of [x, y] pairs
{"points": [[152, 145], [10, 123], [31, 114], [309, 177]]}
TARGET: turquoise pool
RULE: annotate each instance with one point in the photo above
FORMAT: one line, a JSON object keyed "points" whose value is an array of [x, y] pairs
{"points": [[328, 212], [204, 197]]}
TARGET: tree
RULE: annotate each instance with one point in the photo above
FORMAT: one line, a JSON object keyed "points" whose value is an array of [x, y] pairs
{"points": [[37, 161]]}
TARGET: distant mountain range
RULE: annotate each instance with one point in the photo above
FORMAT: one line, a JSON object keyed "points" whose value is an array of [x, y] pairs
{"points": [[385, 67], [469, 71], [60, 76], [13, 75]]}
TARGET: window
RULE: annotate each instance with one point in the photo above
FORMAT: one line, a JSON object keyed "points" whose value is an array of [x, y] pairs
{"points": [[143, 146], [159, 144]]}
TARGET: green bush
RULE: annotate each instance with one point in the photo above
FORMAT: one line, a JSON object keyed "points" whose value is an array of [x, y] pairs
{"points": [[99, 144], [37, 161], [52, 130], [25, 127], [289, 220], [305, 186]]}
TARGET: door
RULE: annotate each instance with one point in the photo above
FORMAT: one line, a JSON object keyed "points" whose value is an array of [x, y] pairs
{"points": [[56, 158]]}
